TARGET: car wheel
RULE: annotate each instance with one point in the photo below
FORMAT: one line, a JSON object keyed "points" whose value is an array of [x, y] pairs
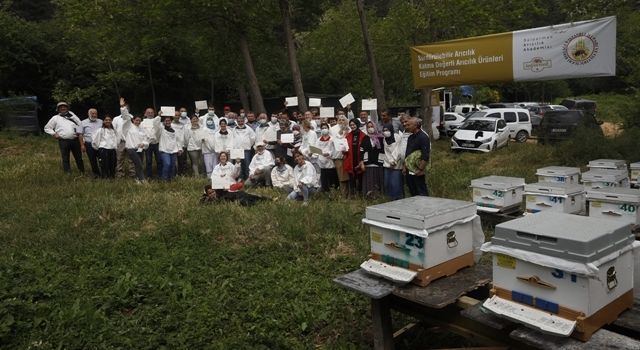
{"points": [[521, 136]]}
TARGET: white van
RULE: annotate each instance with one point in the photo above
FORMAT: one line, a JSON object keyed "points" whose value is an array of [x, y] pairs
{"points": [[517, 120], [464, 109]]}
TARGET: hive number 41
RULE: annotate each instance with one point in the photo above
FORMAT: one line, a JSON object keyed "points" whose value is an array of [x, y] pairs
{"points": [[629, 208]]}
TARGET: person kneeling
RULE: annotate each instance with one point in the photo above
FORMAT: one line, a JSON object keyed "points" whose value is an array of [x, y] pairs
{"points": [[305, 179]]}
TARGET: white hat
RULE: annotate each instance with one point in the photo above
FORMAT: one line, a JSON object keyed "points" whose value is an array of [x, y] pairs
{"points": [[61, 103]]}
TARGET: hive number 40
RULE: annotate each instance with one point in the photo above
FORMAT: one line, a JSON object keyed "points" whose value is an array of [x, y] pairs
{"points": [[498, 194], [414, 241], [629, 208]]}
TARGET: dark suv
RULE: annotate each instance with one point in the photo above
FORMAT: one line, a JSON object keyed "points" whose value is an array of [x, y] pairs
{"points": [[562, 125]]}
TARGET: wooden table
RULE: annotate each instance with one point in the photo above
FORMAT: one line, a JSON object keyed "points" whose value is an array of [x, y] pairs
{"points": [[455, 303]]}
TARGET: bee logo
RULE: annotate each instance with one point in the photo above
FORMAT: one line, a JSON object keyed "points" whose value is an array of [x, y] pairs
{"points": [[580, 48]]}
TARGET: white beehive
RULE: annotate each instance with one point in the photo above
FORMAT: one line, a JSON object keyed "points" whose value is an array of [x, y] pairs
{"points": [[613, 164], [561, 174], [563, 274], [635, 173], [621, 204], [602, 178], [430, 236], [558, 197], [497, 193]]}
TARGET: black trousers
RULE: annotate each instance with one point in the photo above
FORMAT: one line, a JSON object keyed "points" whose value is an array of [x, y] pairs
{"points": [[136, 159], [70, 146], [108, 160], [417, 185], [93, 159], [328, 179]]}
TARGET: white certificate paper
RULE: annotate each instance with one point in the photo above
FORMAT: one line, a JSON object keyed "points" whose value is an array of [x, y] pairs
{"points": [[168, 111], [370, 105], [315, 102], [286, 137], [219, 183], [347, 100], [291, 101], [237, 153], [201, 105], [326, 112]]}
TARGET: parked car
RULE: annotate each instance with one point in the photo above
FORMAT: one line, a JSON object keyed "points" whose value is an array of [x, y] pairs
{"points": [[536, 113], [466, 108], [503, 105], [481, 134], [451, 122], [583, 105], [562, 125], [517, 120]]}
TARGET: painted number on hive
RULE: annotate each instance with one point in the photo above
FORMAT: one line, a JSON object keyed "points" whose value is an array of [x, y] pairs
{"points": [[414, 241], [556, 199], [629, 208], [498, 194]]}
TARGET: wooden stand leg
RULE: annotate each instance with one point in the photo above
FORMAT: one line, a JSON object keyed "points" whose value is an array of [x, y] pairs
{"points": [[381, 324]]}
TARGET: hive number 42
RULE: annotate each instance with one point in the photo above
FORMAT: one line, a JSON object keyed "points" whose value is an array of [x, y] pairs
{"points": [[629, 208], [498, 194]]}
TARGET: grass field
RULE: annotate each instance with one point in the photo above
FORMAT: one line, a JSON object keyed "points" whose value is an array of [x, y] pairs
{"points": [[110, 264]]}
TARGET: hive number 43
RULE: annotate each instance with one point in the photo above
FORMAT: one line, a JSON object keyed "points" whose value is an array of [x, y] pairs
{"points": [[629, 208], [498, 194], [414, 241]]}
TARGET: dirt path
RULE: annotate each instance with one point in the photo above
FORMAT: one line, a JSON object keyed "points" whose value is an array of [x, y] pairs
{"points": [[611, 129]]}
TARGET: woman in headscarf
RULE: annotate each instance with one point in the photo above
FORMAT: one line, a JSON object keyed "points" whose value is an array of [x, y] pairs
{"points": [[353, 163], [373, 156], [393, 179]]}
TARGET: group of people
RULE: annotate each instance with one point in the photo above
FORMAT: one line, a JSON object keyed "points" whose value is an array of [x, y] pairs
{"points": [[299, 155]]}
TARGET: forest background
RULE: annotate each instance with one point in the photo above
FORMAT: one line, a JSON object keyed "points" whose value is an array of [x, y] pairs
{"points": [[251, 53]]}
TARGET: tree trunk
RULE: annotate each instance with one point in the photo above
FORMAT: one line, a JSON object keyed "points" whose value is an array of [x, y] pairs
{"points": [[373, 69], [244, 99], [115, 81], [293, 60], [212, 101], [153, 89], [427, 112], [257, 105]]}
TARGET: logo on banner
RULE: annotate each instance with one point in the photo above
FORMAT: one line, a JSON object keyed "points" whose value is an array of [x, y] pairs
{"points": [[537, 64], [580, 48]]}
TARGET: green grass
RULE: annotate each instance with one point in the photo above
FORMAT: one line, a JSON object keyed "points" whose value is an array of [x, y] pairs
{"points": [[110, 264]]}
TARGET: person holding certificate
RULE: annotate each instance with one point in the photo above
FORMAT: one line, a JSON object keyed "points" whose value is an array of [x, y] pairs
{"points": [[225, 174]]}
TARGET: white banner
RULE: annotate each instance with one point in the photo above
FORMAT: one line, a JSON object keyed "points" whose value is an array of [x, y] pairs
{"points": [[571, 50]]}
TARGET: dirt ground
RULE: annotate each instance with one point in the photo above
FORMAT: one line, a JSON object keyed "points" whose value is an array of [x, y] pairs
{"points": [[611, 129]]}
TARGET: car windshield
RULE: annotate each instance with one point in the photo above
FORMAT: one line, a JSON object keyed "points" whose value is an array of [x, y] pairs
{"points": [[479, 125], [478, 114]]}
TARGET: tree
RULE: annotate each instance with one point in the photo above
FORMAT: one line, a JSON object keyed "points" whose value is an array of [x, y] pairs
{"points": [[368, 48], [291, 51]]}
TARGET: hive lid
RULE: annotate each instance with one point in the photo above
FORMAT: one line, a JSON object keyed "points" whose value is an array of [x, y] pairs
{"points": [[494, 182], [570, 237], [607, 164], [553, 188], [634, 166], [614, 194], [606, 175], [421, 212], [557, 171]]}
